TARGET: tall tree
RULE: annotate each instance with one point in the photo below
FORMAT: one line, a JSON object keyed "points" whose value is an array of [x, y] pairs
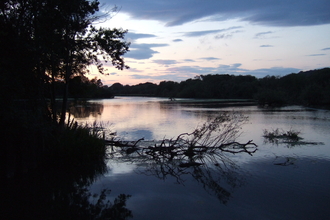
{"points": [[59, 41]]}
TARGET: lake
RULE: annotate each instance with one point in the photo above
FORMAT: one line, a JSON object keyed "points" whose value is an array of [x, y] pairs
{"points": [[279, 181]]}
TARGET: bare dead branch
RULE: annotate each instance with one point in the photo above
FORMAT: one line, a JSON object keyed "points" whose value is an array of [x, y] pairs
{"points": [[215, 135]]}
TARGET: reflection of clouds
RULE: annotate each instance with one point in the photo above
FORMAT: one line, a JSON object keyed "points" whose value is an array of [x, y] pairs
{"points": [[151, 120], [134, 120], [120, 168], [127, 115]]}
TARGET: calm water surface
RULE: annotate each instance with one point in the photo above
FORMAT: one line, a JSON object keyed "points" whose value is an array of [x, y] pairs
{"points": [[278, 181]]}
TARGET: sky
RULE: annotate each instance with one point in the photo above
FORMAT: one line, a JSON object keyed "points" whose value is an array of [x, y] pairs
{"points": [[174, 40]]}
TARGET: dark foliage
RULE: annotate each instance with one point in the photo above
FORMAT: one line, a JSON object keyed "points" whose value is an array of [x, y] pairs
{"points": [[82, 87], [46, 160], [45, 46]]}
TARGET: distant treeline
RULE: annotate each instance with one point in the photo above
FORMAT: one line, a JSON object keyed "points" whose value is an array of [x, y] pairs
{"points": [[307, 88]]}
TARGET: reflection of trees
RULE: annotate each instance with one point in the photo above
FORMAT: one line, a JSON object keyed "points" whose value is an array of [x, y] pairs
{"points": [[83, 109], [285, 162], [200, 154], [216, 172], [61, 192]]}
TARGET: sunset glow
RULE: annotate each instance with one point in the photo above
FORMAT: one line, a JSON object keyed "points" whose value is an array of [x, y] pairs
{"points": [[173, 40]]}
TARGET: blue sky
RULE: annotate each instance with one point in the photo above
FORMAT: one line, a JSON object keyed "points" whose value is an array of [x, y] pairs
{"points": [[179, 39]]}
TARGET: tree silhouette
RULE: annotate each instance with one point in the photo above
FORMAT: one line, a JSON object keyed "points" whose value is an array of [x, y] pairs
{"points": [[56, 40]]}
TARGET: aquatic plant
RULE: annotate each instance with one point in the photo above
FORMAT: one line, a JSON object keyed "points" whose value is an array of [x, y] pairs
{"points": [[273, 135], [291, 137]]}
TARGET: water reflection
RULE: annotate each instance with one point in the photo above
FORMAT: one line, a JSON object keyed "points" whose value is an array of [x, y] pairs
{"points": [[276, 183], [200, 154], [61, 192], [288, 161], [216, 173], [84, 109], [213, 170]]}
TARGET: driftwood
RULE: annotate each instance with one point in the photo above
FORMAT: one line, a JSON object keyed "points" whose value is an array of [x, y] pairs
{"points": [[218, 134], [119, 143]]}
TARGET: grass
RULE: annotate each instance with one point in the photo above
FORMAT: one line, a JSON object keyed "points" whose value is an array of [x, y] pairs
{"points": [[81, 143]]}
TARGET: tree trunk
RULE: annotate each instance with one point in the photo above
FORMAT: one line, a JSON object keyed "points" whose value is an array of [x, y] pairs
{"points": [[65, 93], [52, 94]]}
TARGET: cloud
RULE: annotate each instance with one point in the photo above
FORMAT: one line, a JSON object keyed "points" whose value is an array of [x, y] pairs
{"points": [[266, 45], [262, 34], [139, 46], [137, 76], [221, 69], [259, 73], [210, 58], [177, 40], [316, 55], [274, 71], [143, 51], [223, 36], [165, 77], [135, 36], [191, 70], [227, 35], [183, 73], [165, 62], [230, 69], [270, 13], [189, 60], [134, 70], [233, 69], [328, 48], [201, 33]]}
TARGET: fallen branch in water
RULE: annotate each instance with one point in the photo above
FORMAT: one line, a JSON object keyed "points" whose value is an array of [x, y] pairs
{"points": [[201, 154], [215, 135], [248, 147]]}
